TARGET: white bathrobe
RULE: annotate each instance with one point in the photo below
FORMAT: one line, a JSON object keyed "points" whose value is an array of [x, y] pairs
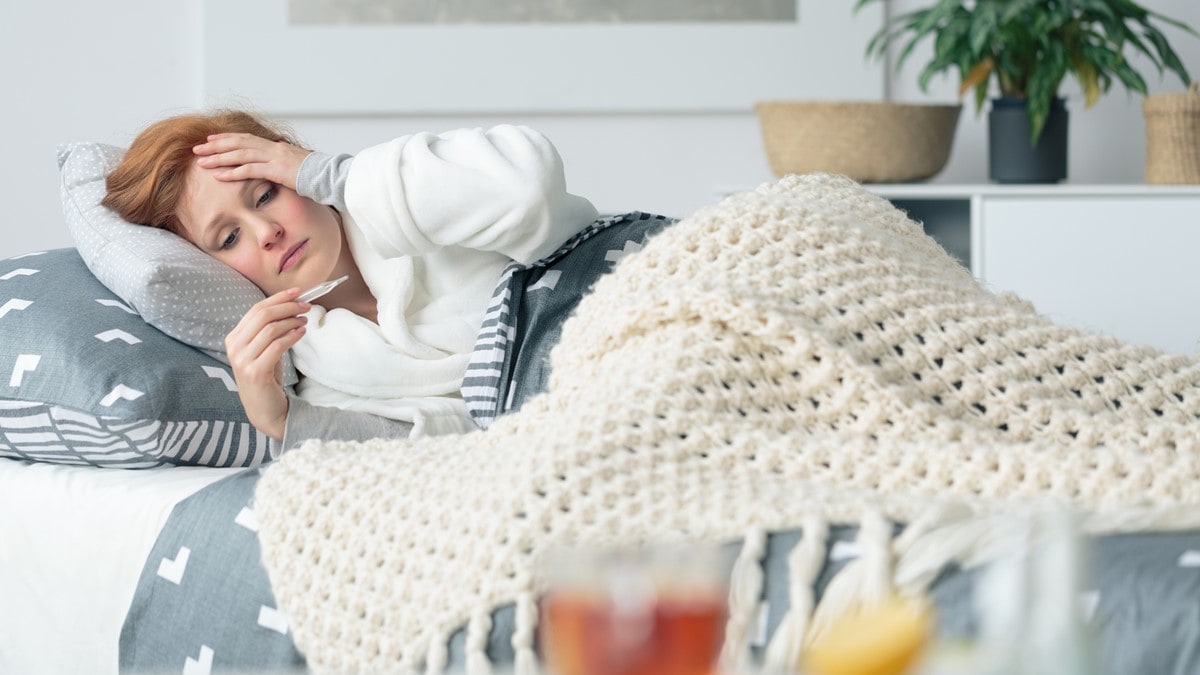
{"points": [[432, 221]]}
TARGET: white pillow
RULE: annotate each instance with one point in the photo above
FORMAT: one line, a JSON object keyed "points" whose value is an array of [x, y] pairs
{"points": [[173, 285]]}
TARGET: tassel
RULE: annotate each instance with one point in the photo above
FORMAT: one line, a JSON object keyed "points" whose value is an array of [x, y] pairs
{"points": [[1164, 517], [866, 579], [876, 538], [525, 662], [915, 567], [437, 655], [967, 540], [477, 641], [804, 564], [745, 592], [935, 516]]}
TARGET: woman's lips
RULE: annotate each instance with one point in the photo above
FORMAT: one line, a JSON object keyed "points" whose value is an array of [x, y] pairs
{"points": [[292, 256]]}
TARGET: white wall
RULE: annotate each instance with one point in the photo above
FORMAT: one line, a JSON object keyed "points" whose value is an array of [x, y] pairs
{"points": [[80, 70], [113, 66]]}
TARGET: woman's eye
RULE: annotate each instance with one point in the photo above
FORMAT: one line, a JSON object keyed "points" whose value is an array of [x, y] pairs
{"points": [[229, 240], [267, 195]]}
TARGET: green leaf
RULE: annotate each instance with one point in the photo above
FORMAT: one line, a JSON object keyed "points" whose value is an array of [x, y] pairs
{"points": [[1169, 57], [892, 30], [1130, 78], [1016, 9], [1131, 10], [1101, 7], [1132, 38], [982, 29], [933, 17], [917, 35], [1178, 24], [1043, 84]]}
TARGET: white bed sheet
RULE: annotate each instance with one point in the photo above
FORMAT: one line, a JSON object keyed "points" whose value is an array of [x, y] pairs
{"points": [[72, 544]]}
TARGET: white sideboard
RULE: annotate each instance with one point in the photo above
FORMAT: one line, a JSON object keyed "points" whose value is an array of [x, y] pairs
{"points": [[1122, 260]]}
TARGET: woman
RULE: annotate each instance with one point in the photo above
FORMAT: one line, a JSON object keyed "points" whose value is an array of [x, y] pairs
{"points": [[421, 227]]}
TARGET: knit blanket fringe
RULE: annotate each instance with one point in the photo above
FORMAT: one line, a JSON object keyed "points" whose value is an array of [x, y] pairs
{"points": [[797, 356]]}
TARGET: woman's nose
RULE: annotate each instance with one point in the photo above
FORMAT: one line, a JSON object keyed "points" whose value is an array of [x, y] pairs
{"points": [[269, 233]]}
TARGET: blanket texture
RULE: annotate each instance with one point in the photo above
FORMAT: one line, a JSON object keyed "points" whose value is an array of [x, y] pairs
{"points": [[795, 356]]}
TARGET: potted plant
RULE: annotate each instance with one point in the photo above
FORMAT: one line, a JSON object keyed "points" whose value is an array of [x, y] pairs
{"points": [[1028, 47]]}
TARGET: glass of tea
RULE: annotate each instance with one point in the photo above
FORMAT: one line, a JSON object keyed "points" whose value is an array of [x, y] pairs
{"points": [[657, 610]]}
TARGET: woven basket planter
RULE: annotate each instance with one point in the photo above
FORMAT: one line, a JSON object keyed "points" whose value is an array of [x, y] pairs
{"points": [[870, 142], [1173, 137]]}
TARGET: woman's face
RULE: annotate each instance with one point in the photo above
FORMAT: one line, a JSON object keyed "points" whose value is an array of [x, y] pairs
{"points": [[271, 235]]}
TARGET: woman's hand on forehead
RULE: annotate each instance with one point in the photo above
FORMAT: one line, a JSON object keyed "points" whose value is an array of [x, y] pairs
{"points": [[246, 156]]}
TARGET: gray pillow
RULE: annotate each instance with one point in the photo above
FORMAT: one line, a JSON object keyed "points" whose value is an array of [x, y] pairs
{"points": [[173, 285], [84, 380]]}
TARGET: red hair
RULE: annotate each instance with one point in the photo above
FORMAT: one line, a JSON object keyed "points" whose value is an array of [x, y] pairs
{"points": [[147, 185]]}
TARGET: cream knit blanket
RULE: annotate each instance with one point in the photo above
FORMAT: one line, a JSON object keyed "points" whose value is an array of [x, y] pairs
{"points": [[795, 356]]}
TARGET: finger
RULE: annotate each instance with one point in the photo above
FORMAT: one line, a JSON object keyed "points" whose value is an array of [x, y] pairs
{"points": [[261, 317], [234, 157], [272, 308], [229, 141], [262, 366], [235, 150], [243, 172], [252, 172], [226, 136], [256, 362], [271, 332], [266, 170], [279, 298], [280, 310], [275, 351], [215, 147]]}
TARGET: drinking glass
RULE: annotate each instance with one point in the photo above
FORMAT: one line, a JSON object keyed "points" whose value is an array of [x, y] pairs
{"points": [[657, 610]]}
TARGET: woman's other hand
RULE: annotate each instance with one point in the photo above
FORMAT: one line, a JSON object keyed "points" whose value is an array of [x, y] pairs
{"points": [[256, 347], [246, 156]]}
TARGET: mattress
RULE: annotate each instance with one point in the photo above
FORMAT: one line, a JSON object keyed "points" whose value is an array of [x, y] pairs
{"points": [[73, 541]]}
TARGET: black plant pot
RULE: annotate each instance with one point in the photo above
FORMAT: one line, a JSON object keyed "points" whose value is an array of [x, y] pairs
{"points": [[1011, 158]]}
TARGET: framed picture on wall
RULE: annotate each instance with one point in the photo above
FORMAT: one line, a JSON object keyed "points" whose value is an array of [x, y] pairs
{"points": [[319, 57]]}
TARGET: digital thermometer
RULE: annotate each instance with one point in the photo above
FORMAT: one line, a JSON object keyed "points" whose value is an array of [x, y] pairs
{"points": [[321, 289]]}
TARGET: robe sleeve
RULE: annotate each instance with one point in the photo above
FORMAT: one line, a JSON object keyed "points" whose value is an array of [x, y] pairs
{"points": [[502, 189]]}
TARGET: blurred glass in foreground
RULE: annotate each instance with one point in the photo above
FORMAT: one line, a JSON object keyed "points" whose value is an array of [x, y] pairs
{"points": [[650, 611]]}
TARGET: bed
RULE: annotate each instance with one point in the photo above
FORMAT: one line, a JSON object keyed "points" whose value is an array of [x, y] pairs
{"points": [[92, 569], [130, 535]]}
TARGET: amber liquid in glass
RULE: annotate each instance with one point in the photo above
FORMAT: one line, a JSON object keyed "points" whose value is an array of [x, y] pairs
{"points": [[583, 635]]}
